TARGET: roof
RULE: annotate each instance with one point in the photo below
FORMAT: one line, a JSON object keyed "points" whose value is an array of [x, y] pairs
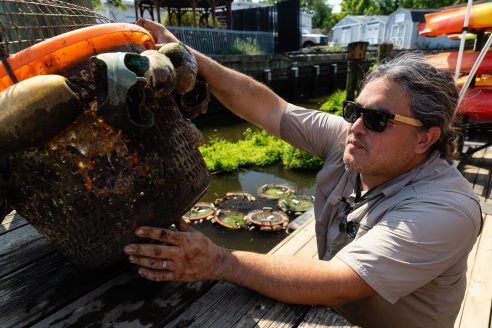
{"points": [[188, 3], [418, 15], [381, 18], [350, 20]]}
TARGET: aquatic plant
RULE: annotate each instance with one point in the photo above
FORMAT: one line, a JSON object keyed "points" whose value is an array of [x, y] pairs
{"points": [[334, 103], [295, 158], [257, 148]]}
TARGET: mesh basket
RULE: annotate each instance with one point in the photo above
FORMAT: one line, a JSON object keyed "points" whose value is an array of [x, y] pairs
{"points": [[89, 187], [24, 23]]}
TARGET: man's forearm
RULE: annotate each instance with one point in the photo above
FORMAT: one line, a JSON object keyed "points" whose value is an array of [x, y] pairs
{"points": [[294, 280], [241, 94]]}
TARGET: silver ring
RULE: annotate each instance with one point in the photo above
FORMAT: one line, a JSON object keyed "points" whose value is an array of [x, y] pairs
{"points": [[164, 265]]}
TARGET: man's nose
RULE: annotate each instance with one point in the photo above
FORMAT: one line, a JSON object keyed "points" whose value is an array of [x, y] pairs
{"points": [[358, 126]]}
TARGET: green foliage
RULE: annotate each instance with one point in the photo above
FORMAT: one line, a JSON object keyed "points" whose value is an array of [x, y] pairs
{"points": [[187, 20], [386, 7], [334, 103], [117, 3], [428, 3], [294, 158], [257, 148], [249, 46]]}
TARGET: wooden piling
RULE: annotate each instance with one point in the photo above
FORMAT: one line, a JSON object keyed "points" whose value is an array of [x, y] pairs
{"points": [[356, 54]]}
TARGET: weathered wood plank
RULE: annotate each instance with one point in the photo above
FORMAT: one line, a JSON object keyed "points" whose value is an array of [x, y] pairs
{"points": [[320, 316], [299, 238], [292, 235], [309, 250], [21, 246], [224, 304], [477, 307], [11, 221], [42, 287], [128, 301]]}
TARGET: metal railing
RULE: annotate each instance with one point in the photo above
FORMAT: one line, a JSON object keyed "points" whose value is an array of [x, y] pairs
{"points": [[222, 42]]}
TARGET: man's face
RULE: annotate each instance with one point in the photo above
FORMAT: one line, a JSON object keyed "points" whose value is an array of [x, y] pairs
{"points": [[381, 156]]}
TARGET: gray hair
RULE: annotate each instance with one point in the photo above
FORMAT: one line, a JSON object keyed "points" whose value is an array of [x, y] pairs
{"points": [[433, 95]]}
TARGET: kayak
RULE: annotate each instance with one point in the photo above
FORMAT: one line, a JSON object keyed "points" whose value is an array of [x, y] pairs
{"points": [[482, 81], [450, 21], [477, 105], [447, 61], [56, 54]]}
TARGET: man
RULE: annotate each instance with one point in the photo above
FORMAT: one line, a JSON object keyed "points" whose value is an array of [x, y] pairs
{"points": [[394, 220]]}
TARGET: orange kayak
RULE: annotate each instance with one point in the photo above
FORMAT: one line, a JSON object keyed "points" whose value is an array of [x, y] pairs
{"points": [[447, 61], [477, 105], [451, 21], [54, 55]]}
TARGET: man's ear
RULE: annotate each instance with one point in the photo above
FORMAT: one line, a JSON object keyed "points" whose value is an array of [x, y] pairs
{"points": [[426, 139]]}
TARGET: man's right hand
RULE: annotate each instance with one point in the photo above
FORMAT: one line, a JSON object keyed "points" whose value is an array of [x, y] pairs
{"points": [[160, 34]]}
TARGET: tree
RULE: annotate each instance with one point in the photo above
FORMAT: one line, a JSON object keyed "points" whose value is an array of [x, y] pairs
{"points": [[321, 10], [428, 3], [116, 3]]}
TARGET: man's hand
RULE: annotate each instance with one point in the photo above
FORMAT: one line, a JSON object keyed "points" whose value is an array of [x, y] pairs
{"points": [[160, 34], [187, 256]]}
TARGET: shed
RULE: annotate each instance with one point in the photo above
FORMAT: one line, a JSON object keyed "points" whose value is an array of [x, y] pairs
{"points": [[349, 29], [402, 31], [375, 29]]}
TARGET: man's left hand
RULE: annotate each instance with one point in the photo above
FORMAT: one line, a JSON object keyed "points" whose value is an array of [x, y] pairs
{"points": [[187, 255]]}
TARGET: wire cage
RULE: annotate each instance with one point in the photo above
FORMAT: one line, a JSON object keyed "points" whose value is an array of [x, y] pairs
{"points": [[24, 23]]}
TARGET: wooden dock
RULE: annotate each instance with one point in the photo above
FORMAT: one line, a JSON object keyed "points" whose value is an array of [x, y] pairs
{"points": [[39, 288]]}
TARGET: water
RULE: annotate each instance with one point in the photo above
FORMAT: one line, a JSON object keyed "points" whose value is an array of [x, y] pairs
{"points": [[250, 180]]}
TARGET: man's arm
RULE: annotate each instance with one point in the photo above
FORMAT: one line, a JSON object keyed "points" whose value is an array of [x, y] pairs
{"points": [[241, 94], [190, 256]]}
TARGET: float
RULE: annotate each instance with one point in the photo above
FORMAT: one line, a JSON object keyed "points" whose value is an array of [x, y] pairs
{"points": [[57, 54]]}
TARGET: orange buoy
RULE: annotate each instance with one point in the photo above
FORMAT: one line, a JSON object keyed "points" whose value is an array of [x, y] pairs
{"points": [[60, 52]]}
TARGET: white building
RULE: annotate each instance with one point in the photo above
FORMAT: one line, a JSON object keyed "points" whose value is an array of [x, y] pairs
{"points": [[349, 29], [374, 29], [402, 31]]}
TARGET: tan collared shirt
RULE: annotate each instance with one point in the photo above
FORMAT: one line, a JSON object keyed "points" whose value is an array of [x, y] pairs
{"points": [[415, 231]]}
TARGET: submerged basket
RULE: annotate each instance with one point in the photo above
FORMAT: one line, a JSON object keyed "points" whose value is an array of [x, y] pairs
{"points": [[275, 191], [230, 220], [200, 211], [295, 204], [268, 220]]}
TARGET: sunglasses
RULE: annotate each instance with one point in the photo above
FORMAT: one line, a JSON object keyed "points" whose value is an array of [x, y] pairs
{"points": [[374, 119]]}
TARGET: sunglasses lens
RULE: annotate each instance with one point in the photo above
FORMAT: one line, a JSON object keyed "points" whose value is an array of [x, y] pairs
{"points": [[350, 112], [375, 121]]}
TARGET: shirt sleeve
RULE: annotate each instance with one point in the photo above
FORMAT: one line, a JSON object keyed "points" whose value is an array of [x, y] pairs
{"points": [[410, 246], [316, 132]]}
